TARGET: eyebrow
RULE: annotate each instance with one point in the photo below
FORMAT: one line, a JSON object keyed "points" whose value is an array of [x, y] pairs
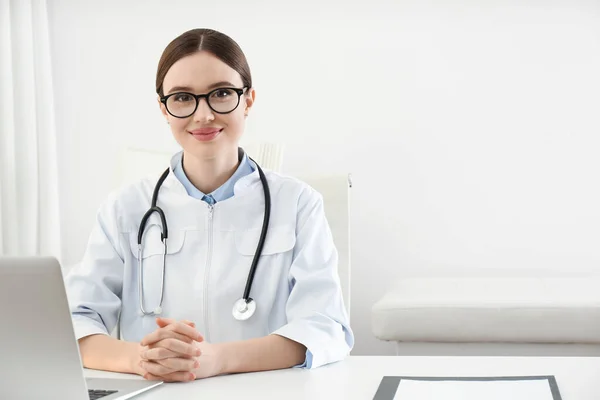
{"points": [[210, 87]]}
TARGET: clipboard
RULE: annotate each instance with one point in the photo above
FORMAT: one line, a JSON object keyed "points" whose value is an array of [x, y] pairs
{"points": [[389, 384]]}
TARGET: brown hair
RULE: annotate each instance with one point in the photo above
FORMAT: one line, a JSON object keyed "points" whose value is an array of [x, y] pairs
{"points": [[220, 45]]}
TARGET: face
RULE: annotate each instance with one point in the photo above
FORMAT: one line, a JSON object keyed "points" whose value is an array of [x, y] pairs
{"points": [[206, 134]]}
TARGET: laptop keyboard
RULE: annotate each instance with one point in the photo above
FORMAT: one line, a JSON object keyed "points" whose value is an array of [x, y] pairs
{"points": [[98, 394]]}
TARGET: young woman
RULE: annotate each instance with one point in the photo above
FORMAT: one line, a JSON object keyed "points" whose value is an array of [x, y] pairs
{"points": [[169, 260]]}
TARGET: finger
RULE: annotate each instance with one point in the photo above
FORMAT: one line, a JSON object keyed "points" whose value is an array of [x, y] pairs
{"points": [[179, 364], [150, 377], [177, 346], [172, 331], [181, 376], [160, 353], [188, 322], [184, 329], [173, 377], [142, 351], [155, 368], [162, 322], [177, 327], [161, 334]]}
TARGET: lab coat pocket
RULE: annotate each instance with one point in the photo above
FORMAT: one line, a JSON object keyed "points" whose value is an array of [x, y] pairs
{"points": [[271, 275], [152, 243], [279, 239]]}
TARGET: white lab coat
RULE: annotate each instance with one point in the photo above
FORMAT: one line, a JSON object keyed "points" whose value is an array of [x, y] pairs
{"points": [[209, 253]]}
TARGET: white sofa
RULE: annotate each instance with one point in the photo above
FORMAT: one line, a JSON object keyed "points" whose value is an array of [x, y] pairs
{"points": [[503, 316]]}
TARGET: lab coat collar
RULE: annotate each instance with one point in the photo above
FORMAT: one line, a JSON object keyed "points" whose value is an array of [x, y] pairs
{"points": [[241, 186]]}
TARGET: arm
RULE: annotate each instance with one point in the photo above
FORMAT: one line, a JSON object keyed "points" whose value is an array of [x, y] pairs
{"points": [[316, 314], [260, 354], [110, 354], [94, 288]]}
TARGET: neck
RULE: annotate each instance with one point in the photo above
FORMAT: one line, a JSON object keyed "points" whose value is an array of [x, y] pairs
{"points": [[208, 174]]}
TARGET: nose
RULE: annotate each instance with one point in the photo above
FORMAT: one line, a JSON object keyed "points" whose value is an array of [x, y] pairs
{"points": [[203, 112]]}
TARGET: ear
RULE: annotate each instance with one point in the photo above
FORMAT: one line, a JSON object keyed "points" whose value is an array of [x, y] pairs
{"points": [[163, 109], [249, 98]]}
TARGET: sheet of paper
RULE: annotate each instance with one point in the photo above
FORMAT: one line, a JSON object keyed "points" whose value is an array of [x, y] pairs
{"points": [[473, 390]]}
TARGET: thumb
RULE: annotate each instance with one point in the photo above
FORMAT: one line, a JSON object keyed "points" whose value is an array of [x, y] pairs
{"points": [[190, 323], [162, 322]]}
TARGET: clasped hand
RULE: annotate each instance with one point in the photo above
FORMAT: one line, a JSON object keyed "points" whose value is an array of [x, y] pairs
{"points": [[177, 352]]}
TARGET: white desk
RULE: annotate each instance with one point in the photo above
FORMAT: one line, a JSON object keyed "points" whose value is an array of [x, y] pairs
{"points": [[358, 377]]}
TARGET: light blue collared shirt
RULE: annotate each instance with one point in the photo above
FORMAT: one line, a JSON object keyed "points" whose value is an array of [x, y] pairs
{"points": [[224, 191]]}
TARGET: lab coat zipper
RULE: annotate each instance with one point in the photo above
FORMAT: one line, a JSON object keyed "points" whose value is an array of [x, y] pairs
{"points": [[207, 272]]}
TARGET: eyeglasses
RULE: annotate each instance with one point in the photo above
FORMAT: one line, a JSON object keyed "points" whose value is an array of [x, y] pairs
{"points": [[220, 100]]}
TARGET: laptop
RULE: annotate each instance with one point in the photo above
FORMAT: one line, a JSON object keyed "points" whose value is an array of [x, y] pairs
{"points": [[39, 353]]}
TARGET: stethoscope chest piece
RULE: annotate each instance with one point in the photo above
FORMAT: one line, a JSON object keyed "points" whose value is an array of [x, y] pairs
{"points": [[242, 310]]}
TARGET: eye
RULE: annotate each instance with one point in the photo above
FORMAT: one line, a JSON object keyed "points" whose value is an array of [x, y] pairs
{"points": [[183, 97], [222, 93]]}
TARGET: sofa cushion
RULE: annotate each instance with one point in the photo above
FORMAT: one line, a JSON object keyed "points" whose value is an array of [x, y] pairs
{"points": [[526, 310]]}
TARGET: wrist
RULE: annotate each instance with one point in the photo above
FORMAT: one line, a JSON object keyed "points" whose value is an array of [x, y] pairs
{"points": [[225, 363], [134, 358]]}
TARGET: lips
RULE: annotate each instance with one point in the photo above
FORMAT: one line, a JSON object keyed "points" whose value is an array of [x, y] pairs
{"points": [[205, 131], [205, 134]]}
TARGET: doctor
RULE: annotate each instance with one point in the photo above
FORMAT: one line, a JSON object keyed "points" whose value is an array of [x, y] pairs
{"points": [[172, 262]]}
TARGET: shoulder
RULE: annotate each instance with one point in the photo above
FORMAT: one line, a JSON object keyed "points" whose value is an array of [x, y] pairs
{"points": [[136, 191], [291, 186], [128, 196]]}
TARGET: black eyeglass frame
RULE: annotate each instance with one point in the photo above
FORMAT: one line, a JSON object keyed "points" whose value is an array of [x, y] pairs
{"points": [[239, 91]]}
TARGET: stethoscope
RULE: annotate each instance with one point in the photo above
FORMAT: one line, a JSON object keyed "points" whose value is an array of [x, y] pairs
{"points": [[243, 308]]}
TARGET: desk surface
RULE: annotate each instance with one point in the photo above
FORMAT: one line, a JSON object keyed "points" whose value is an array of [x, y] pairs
{"points": [[358, 377]]}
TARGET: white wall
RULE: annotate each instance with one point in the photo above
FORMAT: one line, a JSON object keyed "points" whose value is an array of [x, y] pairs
{"points": [[471, 128]]}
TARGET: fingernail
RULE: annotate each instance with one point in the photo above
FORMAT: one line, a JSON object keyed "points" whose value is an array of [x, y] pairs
{"points": [[192, 376], [196, 364], [198, 352]]}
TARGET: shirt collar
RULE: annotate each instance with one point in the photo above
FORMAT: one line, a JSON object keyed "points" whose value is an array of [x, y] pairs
{"points": [[223, 192]]}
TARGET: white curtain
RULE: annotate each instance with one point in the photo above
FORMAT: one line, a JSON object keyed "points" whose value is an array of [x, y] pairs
{"points": [[29, 208]]}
